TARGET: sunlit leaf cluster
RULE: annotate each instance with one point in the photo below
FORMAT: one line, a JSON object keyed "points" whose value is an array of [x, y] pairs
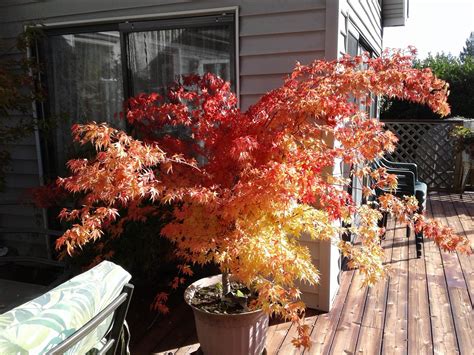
{"points": [[245, 186]]}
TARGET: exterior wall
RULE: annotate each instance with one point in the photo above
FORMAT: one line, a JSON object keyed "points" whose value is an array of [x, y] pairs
{"points": [[23, 170], [272, 36], [363, 19], [394, 12]]}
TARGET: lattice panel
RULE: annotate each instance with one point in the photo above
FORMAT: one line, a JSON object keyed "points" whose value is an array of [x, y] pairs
{"points": [[430, 147]]}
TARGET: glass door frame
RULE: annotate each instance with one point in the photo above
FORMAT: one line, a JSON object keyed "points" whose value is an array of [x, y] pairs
{"points": [[123, 27], [217, 20]]}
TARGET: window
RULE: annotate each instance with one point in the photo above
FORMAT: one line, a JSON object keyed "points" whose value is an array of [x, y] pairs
{"points": [[357, 46], [91, 70], [157, 57], [352, 45], [84, 73]]}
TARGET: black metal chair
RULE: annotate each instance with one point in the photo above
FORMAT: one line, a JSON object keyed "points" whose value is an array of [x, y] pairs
{"points": [[15, 265], [118, 308], [408, 185]]}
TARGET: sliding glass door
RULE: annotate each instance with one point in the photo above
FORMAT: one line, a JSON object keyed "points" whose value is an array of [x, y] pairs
{"points": [[159, 53], [84, 84], [91, 70]]}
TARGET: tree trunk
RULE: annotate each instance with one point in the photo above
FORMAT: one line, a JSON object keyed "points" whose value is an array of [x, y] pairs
{"points": [[225, 283]]}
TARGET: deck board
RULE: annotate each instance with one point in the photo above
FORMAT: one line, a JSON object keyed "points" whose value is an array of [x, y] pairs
{"points": [[457, 288], [420, 340], [371, 334], [347, 332], [287, 348], [395, 326], [442, 323], [324, 330], [423, 307], [458, 218], [278, 333]]}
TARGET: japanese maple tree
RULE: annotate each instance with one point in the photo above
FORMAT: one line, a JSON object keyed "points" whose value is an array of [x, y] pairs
{"points": [[244, 186]]}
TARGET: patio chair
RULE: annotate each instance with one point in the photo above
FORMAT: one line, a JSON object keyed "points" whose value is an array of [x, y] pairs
{"points": [[115, 339], [27, 272], [83, 315], [408, 185]]}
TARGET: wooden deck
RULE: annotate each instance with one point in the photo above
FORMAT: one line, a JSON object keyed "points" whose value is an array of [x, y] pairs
{"points": [[424, 307]]}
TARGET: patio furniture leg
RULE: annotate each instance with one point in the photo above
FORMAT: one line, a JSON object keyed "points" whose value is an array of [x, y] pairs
{"points": [[383, 223], [418, 242]]}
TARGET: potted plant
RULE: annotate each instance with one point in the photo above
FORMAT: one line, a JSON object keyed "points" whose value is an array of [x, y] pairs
{"points": [[464, 140], [244, 186], [464, 144]]}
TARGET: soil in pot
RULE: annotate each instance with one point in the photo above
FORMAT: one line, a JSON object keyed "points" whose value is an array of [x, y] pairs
{"points": [[209, 299]]}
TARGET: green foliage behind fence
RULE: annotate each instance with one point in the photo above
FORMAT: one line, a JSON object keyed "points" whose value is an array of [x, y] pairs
{"points": [[460, 76]]}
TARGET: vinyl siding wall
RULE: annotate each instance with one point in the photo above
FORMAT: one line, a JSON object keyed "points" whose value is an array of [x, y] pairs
{"points": [[394, 12], [273, 35], [363, 19]]}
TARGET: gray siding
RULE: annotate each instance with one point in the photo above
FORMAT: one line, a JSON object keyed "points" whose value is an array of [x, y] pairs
{"points": [[363, 19], [273, 35], [394, 12], [22, 174]]}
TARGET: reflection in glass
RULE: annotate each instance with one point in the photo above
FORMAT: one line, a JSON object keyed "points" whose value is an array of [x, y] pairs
{"points": [[158, 58], [85, 84]]}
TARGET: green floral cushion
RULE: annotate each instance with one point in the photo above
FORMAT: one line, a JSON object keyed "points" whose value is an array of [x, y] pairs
{"points": [[37, 326]]}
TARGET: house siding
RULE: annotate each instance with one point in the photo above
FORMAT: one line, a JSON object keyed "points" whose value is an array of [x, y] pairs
{"points": [[363, 19], [272, 36], [394, 12], [22, 173]]}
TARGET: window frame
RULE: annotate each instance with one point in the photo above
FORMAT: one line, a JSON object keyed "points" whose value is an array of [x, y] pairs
{"points": [[362, 45], [216, 20], [124, 26]]}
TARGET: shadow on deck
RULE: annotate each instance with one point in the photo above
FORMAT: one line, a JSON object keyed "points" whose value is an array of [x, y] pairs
{"points": [[424, 306]]}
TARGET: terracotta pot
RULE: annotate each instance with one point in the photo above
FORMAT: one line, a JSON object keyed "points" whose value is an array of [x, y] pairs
{"points": [[229, 334]]}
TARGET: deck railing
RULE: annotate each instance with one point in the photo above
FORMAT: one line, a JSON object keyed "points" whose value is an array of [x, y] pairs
{"points": [[428, 144]]}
